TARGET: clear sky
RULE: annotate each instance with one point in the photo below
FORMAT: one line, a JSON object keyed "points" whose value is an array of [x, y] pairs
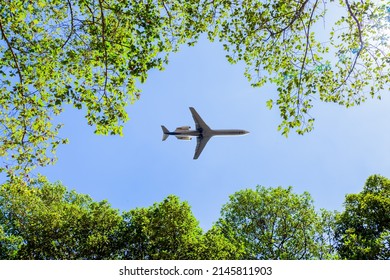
{"points": [[137, 170]]}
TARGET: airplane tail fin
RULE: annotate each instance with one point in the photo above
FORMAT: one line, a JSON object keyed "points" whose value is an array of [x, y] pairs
{"points": [[165, 133]]}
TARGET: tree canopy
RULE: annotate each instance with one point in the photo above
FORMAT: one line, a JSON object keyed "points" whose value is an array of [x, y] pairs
{"points": [[285, 43], [363, 228], [166, 230], [274, 223], [93, 55], [46, 221]]}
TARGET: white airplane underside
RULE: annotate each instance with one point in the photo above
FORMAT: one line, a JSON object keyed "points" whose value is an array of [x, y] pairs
{"points": [[203, 133]]}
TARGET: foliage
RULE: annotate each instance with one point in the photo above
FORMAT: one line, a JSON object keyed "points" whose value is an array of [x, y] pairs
{"points": [[363, 228], [281, 42], [215, 246], [325, 236], [274, 223], [9, 245], [46, 221], [166, 230], [91, 54]]}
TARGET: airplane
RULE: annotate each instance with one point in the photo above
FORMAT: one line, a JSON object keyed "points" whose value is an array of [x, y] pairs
{"points": [[203, 133]]}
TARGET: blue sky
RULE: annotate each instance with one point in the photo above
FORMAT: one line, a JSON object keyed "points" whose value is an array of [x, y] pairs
{"points": [[137, 170]]}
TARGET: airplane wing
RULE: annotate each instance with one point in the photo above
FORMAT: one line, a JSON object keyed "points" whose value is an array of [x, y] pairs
{"points": [[200, 144], [199, 123]]}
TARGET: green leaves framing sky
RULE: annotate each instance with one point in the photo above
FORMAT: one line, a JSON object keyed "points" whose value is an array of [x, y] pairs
{"points": [[93, 54]]}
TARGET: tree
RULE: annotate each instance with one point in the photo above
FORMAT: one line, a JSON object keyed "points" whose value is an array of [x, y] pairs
{"points": [[46, 221], [9, 244], [363, 228], [281, 42], [216, 246], [166, 230], [90, 54], [274, 223]]}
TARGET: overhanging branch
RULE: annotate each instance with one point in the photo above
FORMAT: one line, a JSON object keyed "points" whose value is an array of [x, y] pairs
{"points": [[12, 52]]}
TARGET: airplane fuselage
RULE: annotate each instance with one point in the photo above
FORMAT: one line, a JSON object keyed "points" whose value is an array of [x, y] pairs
{"points": [[211, 133]]}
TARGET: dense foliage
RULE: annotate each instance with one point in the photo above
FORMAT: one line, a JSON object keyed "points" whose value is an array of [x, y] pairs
{"points": [[274, 223], [166, 230], [46, 221], [363, 228], [94, 53]]}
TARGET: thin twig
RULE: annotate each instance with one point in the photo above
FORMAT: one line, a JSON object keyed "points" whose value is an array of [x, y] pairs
{"points": [[168, 13], [71, 23], [296, 16]]}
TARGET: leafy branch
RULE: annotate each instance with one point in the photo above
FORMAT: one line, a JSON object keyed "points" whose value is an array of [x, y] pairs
{"points": [[12, 52], [103, 22], [358, 24], [72, 29]]}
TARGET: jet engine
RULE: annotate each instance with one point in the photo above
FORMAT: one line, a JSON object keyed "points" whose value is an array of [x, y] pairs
{"points": [[181, 128], [184, 137]]}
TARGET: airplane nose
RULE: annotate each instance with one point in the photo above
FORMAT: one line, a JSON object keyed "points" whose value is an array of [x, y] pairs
{"points": [[245, 132]]}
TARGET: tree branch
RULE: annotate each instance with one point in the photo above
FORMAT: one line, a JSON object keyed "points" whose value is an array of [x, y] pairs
{"points": [[357, 23], [71, 23], [20, 78], [296, 16], [166, 9], [358, 52], [104, 46], [12, 52], [305, 56]]}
